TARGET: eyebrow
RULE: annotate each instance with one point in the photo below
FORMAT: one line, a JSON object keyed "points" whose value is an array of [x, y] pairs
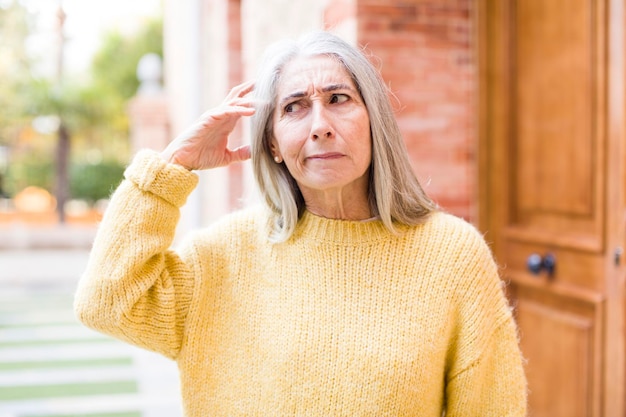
{"points": [[326, 89]]}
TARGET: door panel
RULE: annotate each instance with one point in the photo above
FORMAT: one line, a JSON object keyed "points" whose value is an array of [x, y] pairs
{"points": [[557, 126], [552, 123], [558, 389], [574, 269], [553, 107]]}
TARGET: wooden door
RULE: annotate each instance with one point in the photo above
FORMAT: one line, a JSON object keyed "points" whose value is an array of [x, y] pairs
{"points": [[552, 191]]}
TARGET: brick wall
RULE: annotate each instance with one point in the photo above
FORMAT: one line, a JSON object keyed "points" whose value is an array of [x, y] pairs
{"points": [[425, 50]]}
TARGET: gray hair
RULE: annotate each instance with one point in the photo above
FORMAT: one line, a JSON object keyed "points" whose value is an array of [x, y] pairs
{"points": [[395, 194]]}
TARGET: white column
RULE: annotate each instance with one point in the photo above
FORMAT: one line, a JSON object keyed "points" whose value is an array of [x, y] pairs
{"points": [[268, 21], [194, 42]]}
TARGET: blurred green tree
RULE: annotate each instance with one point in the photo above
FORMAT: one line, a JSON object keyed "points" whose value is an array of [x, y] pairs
{"points": [[115, 64], [98, 164], [15, 65], [91, 110], [93, 182]]}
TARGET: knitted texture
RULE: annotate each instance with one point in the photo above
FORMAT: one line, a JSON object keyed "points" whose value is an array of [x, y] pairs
{"points": [[343, 319]]}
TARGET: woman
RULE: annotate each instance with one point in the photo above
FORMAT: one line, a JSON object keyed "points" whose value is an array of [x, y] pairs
{"points": [[346, 294]]}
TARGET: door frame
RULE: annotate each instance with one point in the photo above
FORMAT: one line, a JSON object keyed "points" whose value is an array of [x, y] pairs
{"points": [[492, 123]]}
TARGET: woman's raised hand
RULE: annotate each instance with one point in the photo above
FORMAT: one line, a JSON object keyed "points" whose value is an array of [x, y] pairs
{"points": [[205, 143]]}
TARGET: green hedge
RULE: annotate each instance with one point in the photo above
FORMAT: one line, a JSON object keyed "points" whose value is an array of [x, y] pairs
{"points": [[95, 182], [89, 182]]}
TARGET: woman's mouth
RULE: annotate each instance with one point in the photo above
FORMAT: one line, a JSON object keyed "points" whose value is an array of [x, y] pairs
{"points": [[326, 156]]}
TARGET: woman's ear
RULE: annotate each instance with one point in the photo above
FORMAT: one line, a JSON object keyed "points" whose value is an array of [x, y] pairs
{"points": [[275, 151]]}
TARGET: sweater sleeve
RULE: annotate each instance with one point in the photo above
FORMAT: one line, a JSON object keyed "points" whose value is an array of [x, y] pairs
{"points": [[134, 287], [494, 385], [485, 376]]}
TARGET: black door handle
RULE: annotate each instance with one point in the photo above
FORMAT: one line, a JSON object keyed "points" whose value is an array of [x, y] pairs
{"points": [[537, 263]]}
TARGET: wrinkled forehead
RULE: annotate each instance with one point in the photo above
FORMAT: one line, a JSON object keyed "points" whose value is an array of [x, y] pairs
{"points": [[308, 73]]}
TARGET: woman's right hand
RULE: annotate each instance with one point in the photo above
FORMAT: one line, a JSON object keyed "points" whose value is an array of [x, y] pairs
{"points": [[204, 144]]}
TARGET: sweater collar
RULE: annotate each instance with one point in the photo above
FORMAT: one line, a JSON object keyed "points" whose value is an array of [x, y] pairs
{"points": [[347, 232]]}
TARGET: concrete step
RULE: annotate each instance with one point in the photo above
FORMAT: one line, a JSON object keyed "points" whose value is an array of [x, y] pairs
{"points": [[36, 317], [32, 377], [77, 351], [37, 324], [156, 406], [24, 268], [47, 334]]}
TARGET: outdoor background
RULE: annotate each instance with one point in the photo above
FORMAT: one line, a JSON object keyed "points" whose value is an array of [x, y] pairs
{"points": [[68, 73], [86, 83]]}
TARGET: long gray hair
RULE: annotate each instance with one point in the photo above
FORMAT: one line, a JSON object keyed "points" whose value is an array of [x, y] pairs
{"points": [[395, 194]]}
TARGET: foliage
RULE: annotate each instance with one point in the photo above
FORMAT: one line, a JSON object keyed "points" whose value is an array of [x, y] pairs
{"points": [[15, 25], [65, 101], [115, 65], [95, 182], [113, 82], [89, 182], [99, 107], [92, 108], [29, 169]]}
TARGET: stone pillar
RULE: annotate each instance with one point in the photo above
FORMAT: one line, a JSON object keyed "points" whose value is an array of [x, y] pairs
{"points": [[148, 112]]}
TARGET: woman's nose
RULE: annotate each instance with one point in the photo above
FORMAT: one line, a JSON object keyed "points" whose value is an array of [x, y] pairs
{"points": [[320, 124]]}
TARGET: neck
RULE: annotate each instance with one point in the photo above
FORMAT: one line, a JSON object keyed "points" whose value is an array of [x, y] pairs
{"points": [[339, 206]]}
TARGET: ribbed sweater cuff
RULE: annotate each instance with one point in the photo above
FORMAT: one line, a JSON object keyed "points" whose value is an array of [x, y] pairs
{"points": [[152, 174]]}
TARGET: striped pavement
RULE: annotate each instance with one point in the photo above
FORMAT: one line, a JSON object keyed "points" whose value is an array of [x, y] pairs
{"points": [[52, 366]]}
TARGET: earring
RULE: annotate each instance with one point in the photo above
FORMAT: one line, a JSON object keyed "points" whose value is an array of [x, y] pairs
{"points": [[278, 159]]}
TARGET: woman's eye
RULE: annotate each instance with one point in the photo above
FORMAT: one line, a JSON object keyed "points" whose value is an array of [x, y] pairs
{"points": [[338, 98], [291, 107]]}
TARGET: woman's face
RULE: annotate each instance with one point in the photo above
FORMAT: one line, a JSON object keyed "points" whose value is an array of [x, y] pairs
{"points": [[321, 128]]}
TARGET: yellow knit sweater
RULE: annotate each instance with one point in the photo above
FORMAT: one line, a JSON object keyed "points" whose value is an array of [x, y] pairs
{"points": [[344, 319]]}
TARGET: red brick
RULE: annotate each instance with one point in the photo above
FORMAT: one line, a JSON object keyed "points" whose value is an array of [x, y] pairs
{"points": [[428, 61], [338, 11]]}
